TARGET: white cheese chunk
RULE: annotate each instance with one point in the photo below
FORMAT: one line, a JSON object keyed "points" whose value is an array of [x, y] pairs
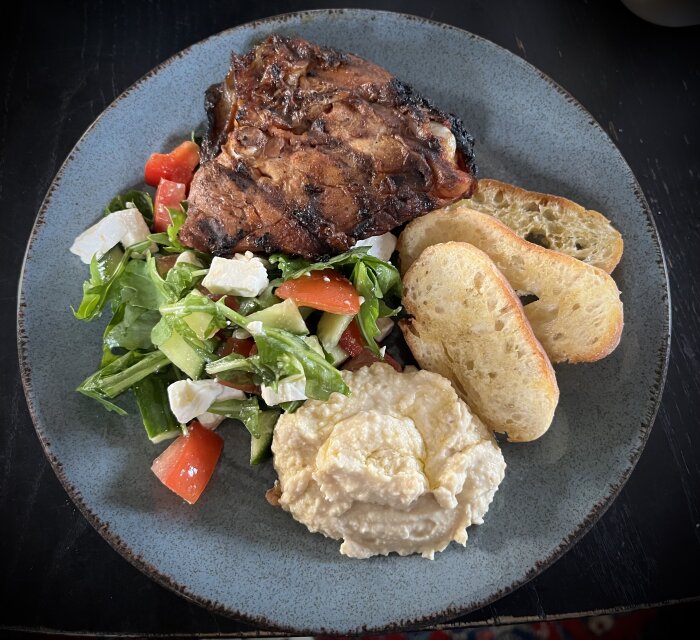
{"points": [[289, 389], [229, 393], [256, 328], [188, 257], [241, 276], [210, 420], [191, 398], [99, 238], [213, 420], [136, 229], [379, 246], [127, 227]]}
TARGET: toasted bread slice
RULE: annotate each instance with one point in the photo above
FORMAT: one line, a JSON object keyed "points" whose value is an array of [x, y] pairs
{"points": [[552, 222], [468, 325], [578, 315]]}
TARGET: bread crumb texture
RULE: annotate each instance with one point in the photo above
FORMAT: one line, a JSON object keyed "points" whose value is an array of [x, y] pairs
{"points": [[552, 222], [577, 315], [468, 325]]}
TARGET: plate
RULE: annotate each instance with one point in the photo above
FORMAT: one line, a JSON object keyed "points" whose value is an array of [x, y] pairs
{"points": [[232, 551]]}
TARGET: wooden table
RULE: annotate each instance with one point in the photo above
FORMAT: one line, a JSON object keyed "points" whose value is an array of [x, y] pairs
{"points": [[63, 63]]}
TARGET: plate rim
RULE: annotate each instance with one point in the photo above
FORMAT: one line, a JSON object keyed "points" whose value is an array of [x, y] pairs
{"points": [[152, 572]]}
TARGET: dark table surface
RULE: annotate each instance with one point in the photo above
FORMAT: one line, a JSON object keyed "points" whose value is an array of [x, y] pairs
{"points": [[63, 63]]}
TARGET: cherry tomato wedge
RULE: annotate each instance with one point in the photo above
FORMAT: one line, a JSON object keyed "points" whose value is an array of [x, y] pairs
{"points": [[230, 301], [247, 388], [177, 166], [164, 264], [168, 194], [366, 358], [390, 360], [351, 341], [324, 290], [236, 345], [187, 465], [245, 347]]}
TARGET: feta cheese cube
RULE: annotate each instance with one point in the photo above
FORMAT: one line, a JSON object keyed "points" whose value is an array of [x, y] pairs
{"points": [[229, 393], [210, 420], [99, 238], [379, 246], [191, 398], [289, 389], [127, 227], [213, 420], [189, 257], [135, 228], [241, 276], [256, 328]]}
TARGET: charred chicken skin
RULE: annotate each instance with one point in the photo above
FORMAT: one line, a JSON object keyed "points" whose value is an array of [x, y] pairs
{"points": [[310, 149]]}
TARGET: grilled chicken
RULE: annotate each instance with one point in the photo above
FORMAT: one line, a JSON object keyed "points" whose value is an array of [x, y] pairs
{"points": [[310, 149]]}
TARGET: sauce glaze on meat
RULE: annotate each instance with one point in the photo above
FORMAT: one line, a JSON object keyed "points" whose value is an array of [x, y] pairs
{"points": [[310, 149]]}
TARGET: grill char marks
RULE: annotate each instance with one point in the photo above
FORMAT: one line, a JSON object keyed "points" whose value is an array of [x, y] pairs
{"points": [[310, 149]]}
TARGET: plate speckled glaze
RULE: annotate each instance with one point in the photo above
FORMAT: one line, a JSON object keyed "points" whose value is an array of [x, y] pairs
{"points": [[232, 551]]}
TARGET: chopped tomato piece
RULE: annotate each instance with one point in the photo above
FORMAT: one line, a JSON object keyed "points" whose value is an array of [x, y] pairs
{"points": [[164, 264], [168, 194], [177, 166], [230, 301], [324, 290], [366, 358], [236, 345], [351, 341], [187, 465], [242, 386], [245, 347], [390, 360]]}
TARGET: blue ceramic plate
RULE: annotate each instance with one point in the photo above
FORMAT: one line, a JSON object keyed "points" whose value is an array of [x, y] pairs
{"points": [[234, 552]]}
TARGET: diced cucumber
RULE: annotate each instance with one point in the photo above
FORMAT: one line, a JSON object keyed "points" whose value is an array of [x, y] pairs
{"points": [[339, 355], [284, 315], [313, 342], [330, 327], [199, 322], [260, 447], [152, 399], [164, 435], [182, 355]]}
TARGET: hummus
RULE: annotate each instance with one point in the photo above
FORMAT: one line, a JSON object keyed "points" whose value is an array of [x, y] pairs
{"points": [[401, 465]]}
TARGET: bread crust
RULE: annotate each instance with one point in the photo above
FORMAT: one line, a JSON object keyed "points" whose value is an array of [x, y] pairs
{"points": [[571, 335], [537, 393], [608, 243]]}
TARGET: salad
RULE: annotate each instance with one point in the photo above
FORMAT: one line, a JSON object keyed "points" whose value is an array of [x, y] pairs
{"points": [[199, 338]]}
